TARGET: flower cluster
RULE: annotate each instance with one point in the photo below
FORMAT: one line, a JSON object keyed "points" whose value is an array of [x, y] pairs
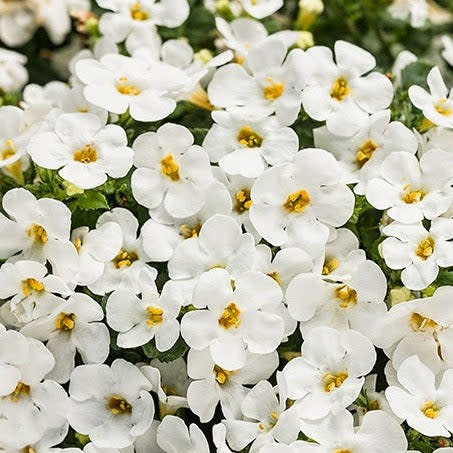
{"points": [[242, 251]]}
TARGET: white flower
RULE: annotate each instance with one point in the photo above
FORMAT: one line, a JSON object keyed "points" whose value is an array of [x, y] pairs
{"points": [[265, 418], [417, 10], [118, 83], [361, 155], [437, 105], [162, 233], [425, 405], [236, 320], [421, 326], [112, 405], [403, 59], [13, 142], [378, 432], [354, 302], [411, 190], [13, 75], [246, 146], [31, 291], [213, 384], [171, 170], [130, 18], [51, 438], [293, 203], [261, 8], [274, 85], [340, 93], [417, 251], [173, 436], [39, 230], [73, 326], [447, 52], [29, 406], [220, 243], [95, 248], [170, 381], [84, 159], [152, 316], [123, 271], [328, 376]]}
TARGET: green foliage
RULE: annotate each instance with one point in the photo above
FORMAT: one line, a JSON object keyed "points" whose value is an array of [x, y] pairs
{"points": [[177, 351]]}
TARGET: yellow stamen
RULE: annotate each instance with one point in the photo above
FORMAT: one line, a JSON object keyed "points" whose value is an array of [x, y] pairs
{"points": [[137, 13], [187, 231], [65, 322], [425, 248], [28, 450], [430, 410], [20, 391], [127, 89], [276, 277], [329, 266], [342, 450], [333, 381], [421, 323], [199, 97], [169, 167], [221, 375], [38, 233], [442, 108], [365, 153], [86, 155], [78, 244], [31, 284], [297, 201], [124, 259], [230, 317], [155, 316], [347, 296], [249, 138], [340, 89], [273, 90], [119, 405], [412, 196], [243, 201]]}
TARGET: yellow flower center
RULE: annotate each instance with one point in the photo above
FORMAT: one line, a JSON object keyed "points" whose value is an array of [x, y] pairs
{"points": [[297, 201], [243, 201], [38, 234], [249, 138], [31, 284], [187, 231], [347, 296], [412, 196], [16, 167], [330, 264], [169, 167], [342, 450], [273, 419], [421, 323], [276, 277], [65, 321], [333, 381], [155, 316], [221, 375], [425, 248], [273, 90], [365, 152], [430, 410], [28, 450], [137, 13], [124, 259], [119, 405], [86, 155], [20, 391], [442, 108], [9, 151], [230, 317], [340, 89], [127, 89], [78, 244]]}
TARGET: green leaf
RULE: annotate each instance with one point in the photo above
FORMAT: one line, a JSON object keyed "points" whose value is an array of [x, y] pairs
{"points": [[92, 199], [415, 74], [177, 351]]}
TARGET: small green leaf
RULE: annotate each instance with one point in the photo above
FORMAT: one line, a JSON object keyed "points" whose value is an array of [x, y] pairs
{"points": [[92, 199], [415, 74], [177, 351]]}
